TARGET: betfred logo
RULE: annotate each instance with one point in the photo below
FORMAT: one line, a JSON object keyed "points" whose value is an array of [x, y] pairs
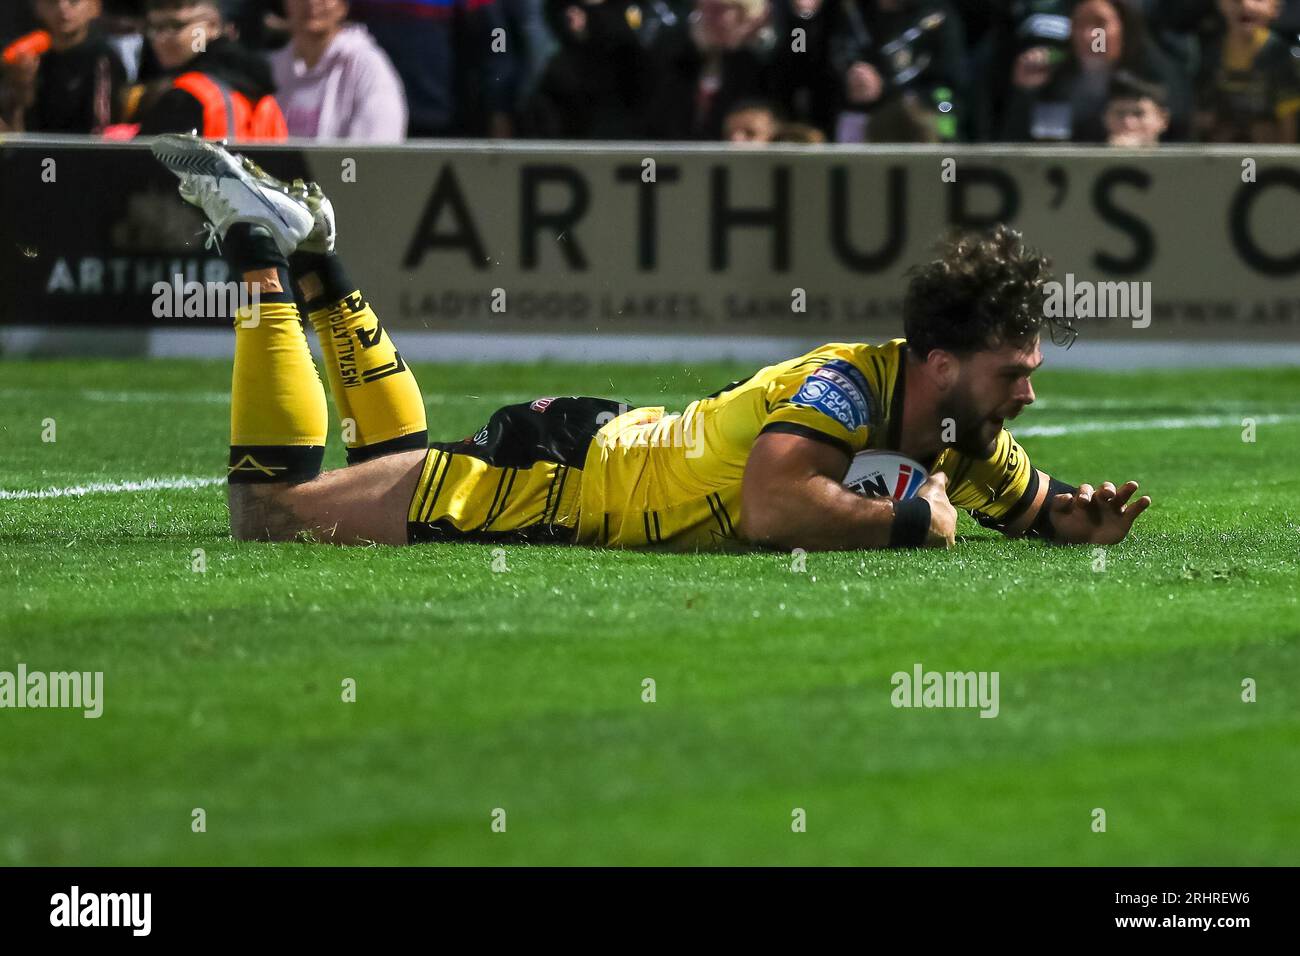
{"points": [[541, 404]]}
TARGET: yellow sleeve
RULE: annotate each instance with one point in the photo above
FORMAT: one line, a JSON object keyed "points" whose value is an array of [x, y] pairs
{"points": [[994, 490], [823, 399]]}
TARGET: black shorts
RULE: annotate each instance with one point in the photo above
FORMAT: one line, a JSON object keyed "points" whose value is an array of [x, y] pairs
{"points": [[517, 479]]}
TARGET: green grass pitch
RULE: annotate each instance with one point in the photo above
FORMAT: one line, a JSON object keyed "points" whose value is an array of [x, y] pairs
{"points": [[1121, 688]]}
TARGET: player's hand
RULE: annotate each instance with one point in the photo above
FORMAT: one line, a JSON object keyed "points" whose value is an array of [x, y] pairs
{"points": [[943, 516], [1103, 516]]}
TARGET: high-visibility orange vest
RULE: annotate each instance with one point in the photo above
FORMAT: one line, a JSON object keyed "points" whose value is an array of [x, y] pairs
{"points": [[36, 43], [227, 113]]}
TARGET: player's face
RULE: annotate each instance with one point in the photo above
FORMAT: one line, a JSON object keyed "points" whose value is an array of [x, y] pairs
{"points": [[992, 387]]}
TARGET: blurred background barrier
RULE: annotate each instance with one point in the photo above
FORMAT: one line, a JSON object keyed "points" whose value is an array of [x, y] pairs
{"points": [[652, 250]]}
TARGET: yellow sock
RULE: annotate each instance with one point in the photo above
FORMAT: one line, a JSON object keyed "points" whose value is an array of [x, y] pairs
{"points": [[278, 416], [375, 392], [322, 320]]}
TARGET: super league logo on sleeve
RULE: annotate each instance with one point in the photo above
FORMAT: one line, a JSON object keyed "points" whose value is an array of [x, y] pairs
{"points": [[838, 390]]}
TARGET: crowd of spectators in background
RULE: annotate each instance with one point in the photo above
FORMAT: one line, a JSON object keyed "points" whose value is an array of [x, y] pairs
{"points": [[1125, 72]]}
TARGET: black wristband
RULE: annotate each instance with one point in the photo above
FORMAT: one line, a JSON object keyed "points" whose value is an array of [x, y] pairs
{"points": [[911, 525], [1042, 526]]}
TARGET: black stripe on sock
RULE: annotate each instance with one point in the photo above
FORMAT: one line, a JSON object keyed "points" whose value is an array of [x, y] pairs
{"points": [[414, 440], [266, 464], [335, 284]]}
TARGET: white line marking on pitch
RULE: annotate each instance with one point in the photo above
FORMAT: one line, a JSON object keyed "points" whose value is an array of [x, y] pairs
{"points": [[1047, 404], [1147, 424], [1068, 404], [1029, 431], [223, 398], [162, 398], [114, 487]]}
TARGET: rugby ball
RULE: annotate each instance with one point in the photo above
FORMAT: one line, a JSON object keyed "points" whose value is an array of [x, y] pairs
{"points": [[884, 474]]}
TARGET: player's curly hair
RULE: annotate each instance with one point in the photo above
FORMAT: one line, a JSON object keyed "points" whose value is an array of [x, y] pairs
{"points": [[984, 291]]}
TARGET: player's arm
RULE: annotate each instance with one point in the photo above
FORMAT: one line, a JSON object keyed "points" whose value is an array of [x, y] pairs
{"points": [[1033, 504], [792, 497], [1005, 491]]}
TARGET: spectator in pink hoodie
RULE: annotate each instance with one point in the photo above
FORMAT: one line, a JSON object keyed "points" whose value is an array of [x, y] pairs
{"points": [[333, 81]]}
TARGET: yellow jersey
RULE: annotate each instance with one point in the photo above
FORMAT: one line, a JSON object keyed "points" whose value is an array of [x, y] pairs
{"points": [[656, 479]]}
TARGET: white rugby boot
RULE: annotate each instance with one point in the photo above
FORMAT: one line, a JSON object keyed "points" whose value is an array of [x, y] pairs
{"points": [[231, 189]]}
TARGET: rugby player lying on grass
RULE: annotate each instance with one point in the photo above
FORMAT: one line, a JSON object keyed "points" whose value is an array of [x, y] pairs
{"points": [[761, 461]]}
